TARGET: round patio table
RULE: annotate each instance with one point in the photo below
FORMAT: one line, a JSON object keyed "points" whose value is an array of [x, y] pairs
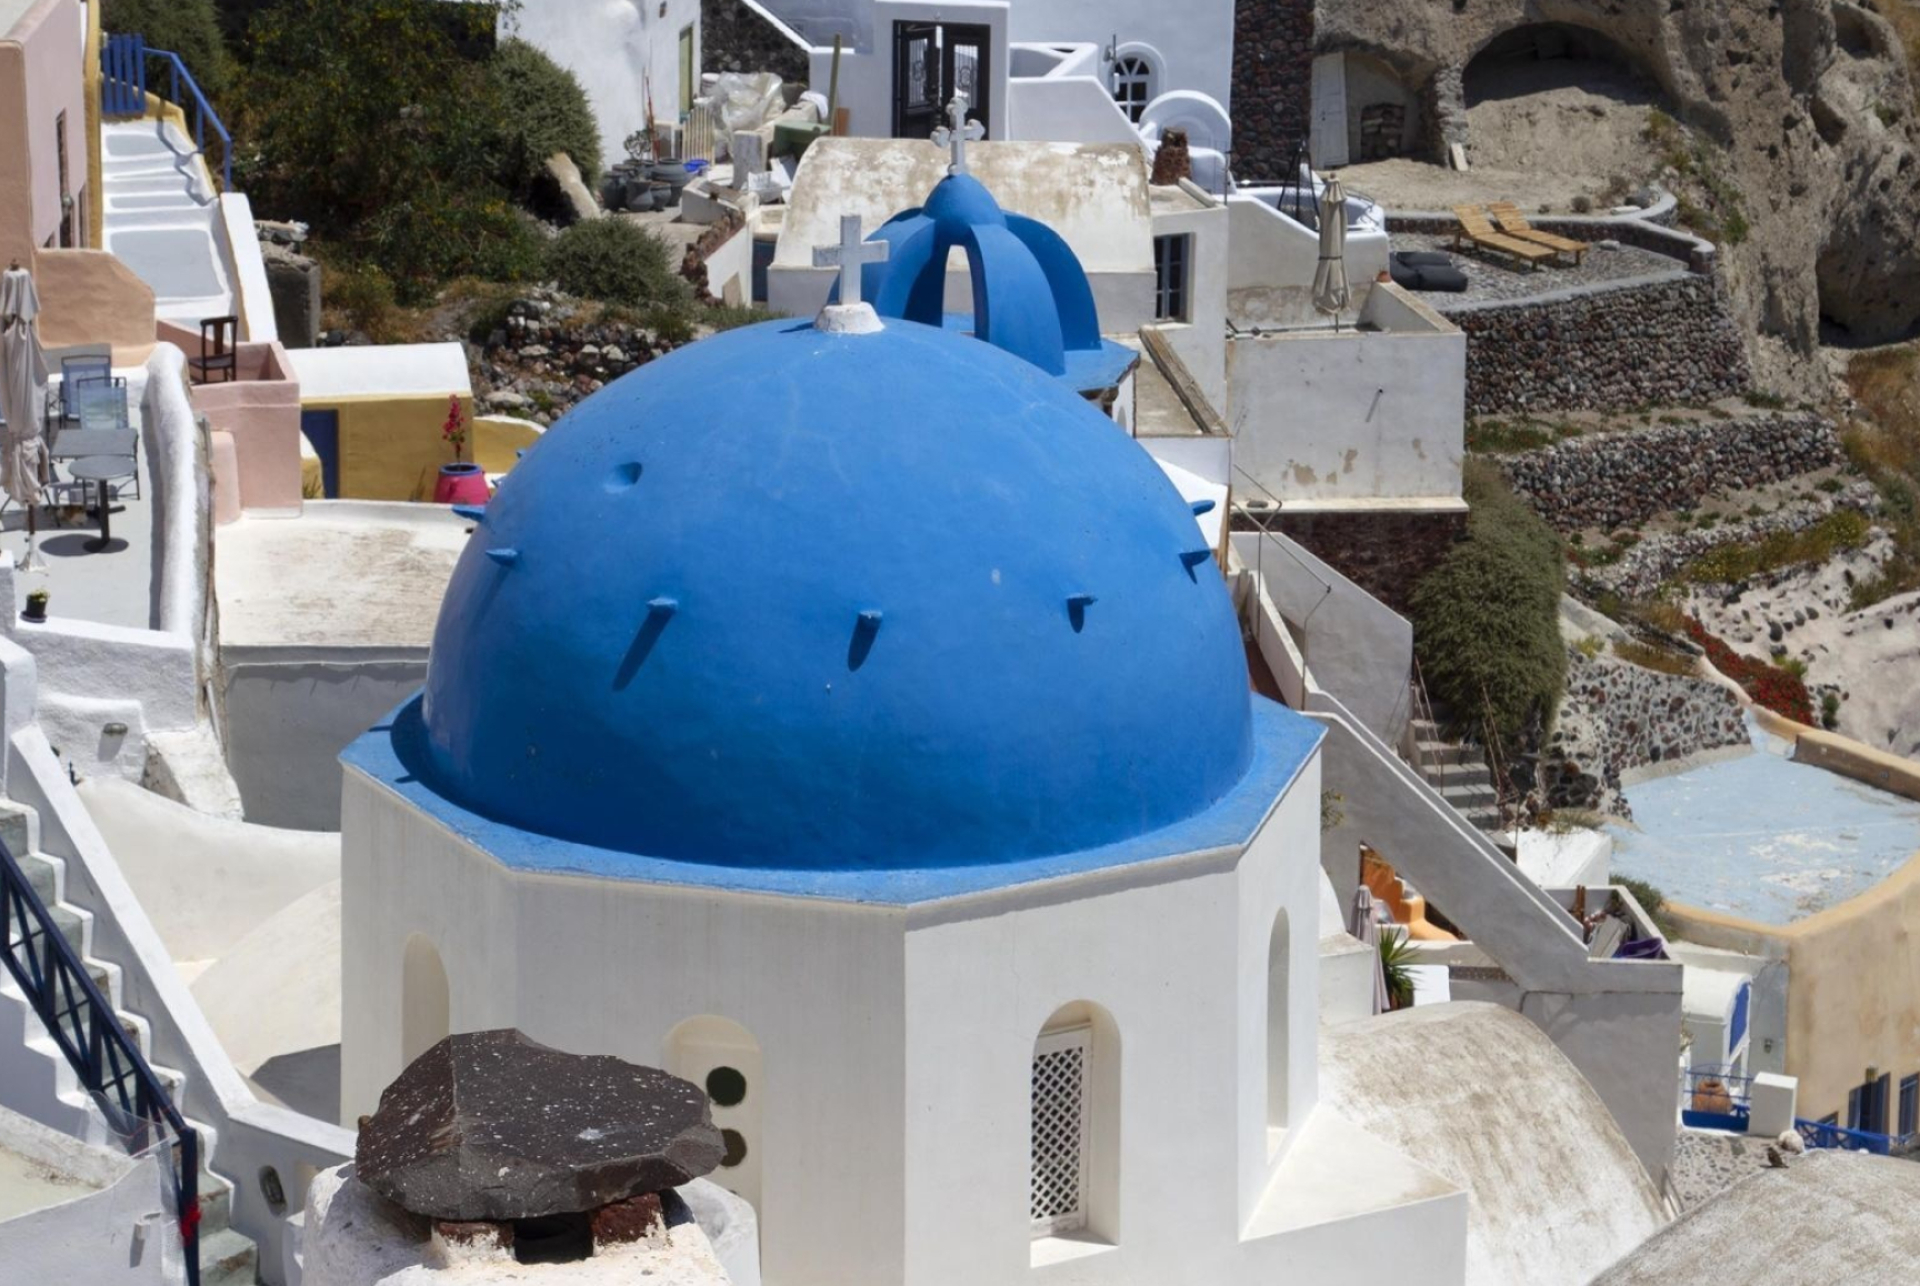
{"points": [[100, 470]]}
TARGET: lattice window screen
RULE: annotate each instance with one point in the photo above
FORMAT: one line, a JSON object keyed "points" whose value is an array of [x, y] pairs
{"points": [[1060, 1120]]}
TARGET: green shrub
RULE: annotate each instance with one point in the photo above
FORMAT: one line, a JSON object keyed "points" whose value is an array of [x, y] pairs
{"points": [[1649, 657], [438, 234], [1487, 620], [1651, 900], [543, 110], [1843, 529], [618, 261], [190, 28], [1829, 710]]}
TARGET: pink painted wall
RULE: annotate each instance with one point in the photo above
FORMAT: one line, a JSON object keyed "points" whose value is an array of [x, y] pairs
{"points": [[46, 79], [261, 410]]}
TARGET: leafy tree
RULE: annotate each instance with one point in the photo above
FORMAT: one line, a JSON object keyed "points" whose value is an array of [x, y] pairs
{"points": [[365, 113], [1486, 622], [189, 28], [543, 110]]}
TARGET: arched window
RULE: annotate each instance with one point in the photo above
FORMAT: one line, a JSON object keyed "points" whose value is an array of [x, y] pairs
{"points": [[723, 1058], [1074, 1176], [1132, 84], [1278, 943], [425, 1003]]}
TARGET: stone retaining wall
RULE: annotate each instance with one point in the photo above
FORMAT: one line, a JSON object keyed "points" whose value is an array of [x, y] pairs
{"points": [[735, 38], [1615, 478], [1272, 85], [1603, 348], [1617, 716], [1659, 558]]}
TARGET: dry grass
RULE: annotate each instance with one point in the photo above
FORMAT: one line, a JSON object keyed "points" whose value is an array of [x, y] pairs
{"points": [[1649, 657], [1885, 445]]}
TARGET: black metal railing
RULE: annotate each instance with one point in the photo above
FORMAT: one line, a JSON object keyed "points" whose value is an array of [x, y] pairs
{"points": [[97, 1047]]}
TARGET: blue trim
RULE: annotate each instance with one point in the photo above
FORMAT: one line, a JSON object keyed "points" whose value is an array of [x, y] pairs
{"points": [[394, 754]]}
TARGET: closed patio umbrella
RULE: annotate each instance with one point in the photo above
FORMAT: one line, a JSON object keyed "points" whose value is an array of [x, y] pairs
{"points": [[1330, 294], [1366, 928], [23, 392]]}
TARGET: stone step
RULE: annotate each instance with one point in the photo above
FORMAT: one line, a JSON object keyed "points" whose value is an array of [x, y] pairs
{"points": [[1470, 795], [227, 1258], [1447, 752]]}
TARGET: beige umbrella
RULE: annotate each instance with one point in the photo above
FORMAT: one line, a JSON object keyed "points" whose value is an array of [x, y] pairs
{"points": [[1366, 927], [1330, 294], [23, 396]]}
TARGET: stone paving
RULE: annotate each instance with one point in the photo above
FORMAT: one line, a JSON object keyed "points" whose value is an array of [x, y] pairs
{"points": [[1492, 278], [1706, 1164]]}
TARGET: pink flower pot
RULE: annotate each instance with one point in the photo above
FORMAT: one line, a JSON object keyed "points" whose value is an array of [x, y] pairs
{"points": [[461, 484]]}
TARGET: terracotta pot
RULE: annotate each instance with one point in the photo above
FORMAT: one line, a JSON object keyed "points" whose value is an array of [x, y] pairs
{"points": [[461, 484]]}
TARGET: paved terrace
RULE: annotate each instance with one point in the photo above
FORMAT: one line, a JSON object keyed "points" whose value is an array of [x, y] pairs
{"points": [[109, 587], [1493, 278], [1763, 837]]}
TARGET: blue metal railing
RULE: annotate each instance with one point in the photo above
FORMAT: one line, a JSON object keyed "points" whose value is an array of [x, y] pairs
{"points": [[1715, 1097], [96, 1046], [123, 92], [1818, 1134]]}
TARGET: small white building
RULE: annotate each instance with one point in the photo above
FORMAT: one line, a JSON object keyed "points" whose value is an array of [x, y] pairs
{"points": [[633, 57], [885, 761]]}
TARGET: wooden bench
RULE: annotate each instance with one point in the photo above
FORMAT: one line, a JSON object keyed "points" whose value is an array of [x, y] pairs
{"points": [[1475, 227], [1514, 224]]}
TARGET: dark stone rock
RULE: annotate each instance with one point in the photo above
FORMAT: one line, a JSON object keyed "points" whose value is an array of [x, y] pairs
{"points": [[492, 1125]]}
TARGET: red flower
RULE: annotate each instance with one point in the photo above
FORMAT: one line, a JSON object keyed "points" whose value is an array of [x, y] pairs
{"points": [[455, 429]]}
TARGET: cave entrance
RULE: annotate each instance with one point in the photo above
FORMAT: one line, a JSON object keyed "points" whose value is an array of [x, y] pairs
{"points": [[1550, 56], [1550, 99]]}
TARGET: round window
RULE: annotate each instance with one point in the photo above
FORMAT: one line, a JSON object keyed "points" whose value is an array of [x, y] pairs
{"points": [[735, 1144], [726, 1087]]}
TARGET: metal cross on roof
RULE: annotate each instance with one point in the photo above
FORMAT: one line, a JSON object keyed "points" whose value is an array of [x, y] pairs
{"points": [[959, 133], [850, 256]]}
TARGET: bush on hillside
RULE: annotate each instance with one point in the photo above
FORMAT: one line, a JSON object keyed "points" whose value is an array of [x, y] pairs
{"points": [[543, 110], [618, 261], [439, 234], [1487, 620], [189, 28]]}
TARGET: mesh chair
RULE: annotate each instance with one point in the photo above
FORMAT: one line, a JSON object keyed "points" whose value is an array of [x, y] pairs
{"points": [[75, 371]]}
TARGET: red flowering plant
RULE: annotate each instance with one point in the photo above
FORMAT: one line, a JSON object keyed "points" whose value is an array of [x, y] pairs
{"points": [[455, 429], [1778, 690]]}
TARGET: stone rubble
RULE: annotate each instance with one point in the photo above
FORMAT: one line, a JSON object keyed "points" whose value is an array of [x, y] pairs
{"points": [[548, 356]]}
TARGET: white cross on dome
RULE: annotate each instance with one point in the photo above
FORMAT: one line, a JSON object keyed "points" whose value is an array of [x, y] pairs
{"points": [[959, 133]]}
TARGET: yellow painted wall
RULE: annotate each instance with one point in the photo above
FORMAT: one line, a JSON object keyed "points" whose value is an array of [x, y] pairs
{"points": [[390, 447], [496, 443], [1853, 971]]}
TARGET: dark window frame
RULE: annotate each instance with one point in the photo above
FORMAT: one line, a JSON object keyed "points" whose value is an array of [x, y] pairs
{"points": [[1173, 277]]}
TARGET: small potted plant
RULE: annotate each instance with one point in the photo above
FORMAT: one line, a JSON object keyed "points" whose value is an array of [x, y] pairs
{"points": [[36, 605], [462, 482]]}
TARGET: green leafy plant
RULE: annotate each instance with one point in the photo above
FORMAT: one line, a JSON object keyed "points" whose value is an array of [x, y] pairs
{"points": [[1652, 901], [543, 110], [1648, 657], [1829, 710], [1841, 530], [1396, 962], [1331, 814], [190, 28], [616, 260], [1487, 619]]}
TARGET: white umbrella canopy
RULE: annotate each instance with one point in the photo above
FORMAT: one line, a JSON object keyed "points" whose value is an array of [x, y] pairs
{"points": [[1366, 928], [1330, 293], [23, 396]]}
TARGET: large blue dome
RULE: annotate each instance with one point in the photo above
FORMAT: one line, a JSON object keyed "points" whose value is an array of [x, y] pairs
{"points": [[791, 598]]}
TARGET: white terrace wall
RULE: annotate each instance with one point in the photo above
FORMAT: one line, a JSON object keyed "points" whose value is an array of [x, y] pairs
{"points": [[121, 1230], [1326, 419]]}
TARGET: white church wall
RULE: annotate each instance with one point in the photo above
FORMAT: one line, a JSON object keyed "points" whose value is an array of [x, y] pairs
{"points": [[289, 713], [866, 65], [1188, 46], [614, 46], [1201, 341], [615, 967], [1326, 419]]}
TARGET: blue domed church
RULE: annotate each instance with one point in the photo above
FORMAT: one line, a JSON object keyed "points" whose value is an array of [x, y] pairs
{"points": [[882, 758]]}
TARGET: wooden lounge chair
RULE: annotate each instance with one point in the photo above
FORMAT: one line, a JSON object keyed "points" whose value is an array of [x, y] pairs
{"points": [[1475, 227], [1514, 224]]}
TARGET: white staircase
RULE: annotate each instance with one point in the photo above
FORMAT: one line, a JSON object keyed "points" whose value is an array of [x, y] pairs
{"points": [[162, 219], [1458, 772], [45, 1088]]}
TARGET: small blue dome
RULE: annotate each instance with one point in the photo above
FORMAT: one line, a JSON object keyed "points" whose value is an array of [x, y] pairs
{"points": [[1030, 294], [792, 598]]}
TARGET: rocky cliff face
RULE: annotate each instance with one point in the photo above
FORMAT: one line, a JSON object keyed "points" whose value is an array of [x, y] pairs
{"points": [[1805, 109]]}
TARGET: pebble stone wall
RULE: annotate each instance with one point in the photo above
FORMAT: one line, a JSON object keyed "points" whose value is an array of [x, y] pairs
{"points": [[1616, 716], [1631, 476], [1272, 85], [1603, 349], [735, 38]]}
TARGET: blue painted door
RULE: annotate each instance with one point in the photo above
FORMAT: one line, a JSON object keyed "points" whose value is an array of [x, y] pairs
{"points": [[322, 429]]}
